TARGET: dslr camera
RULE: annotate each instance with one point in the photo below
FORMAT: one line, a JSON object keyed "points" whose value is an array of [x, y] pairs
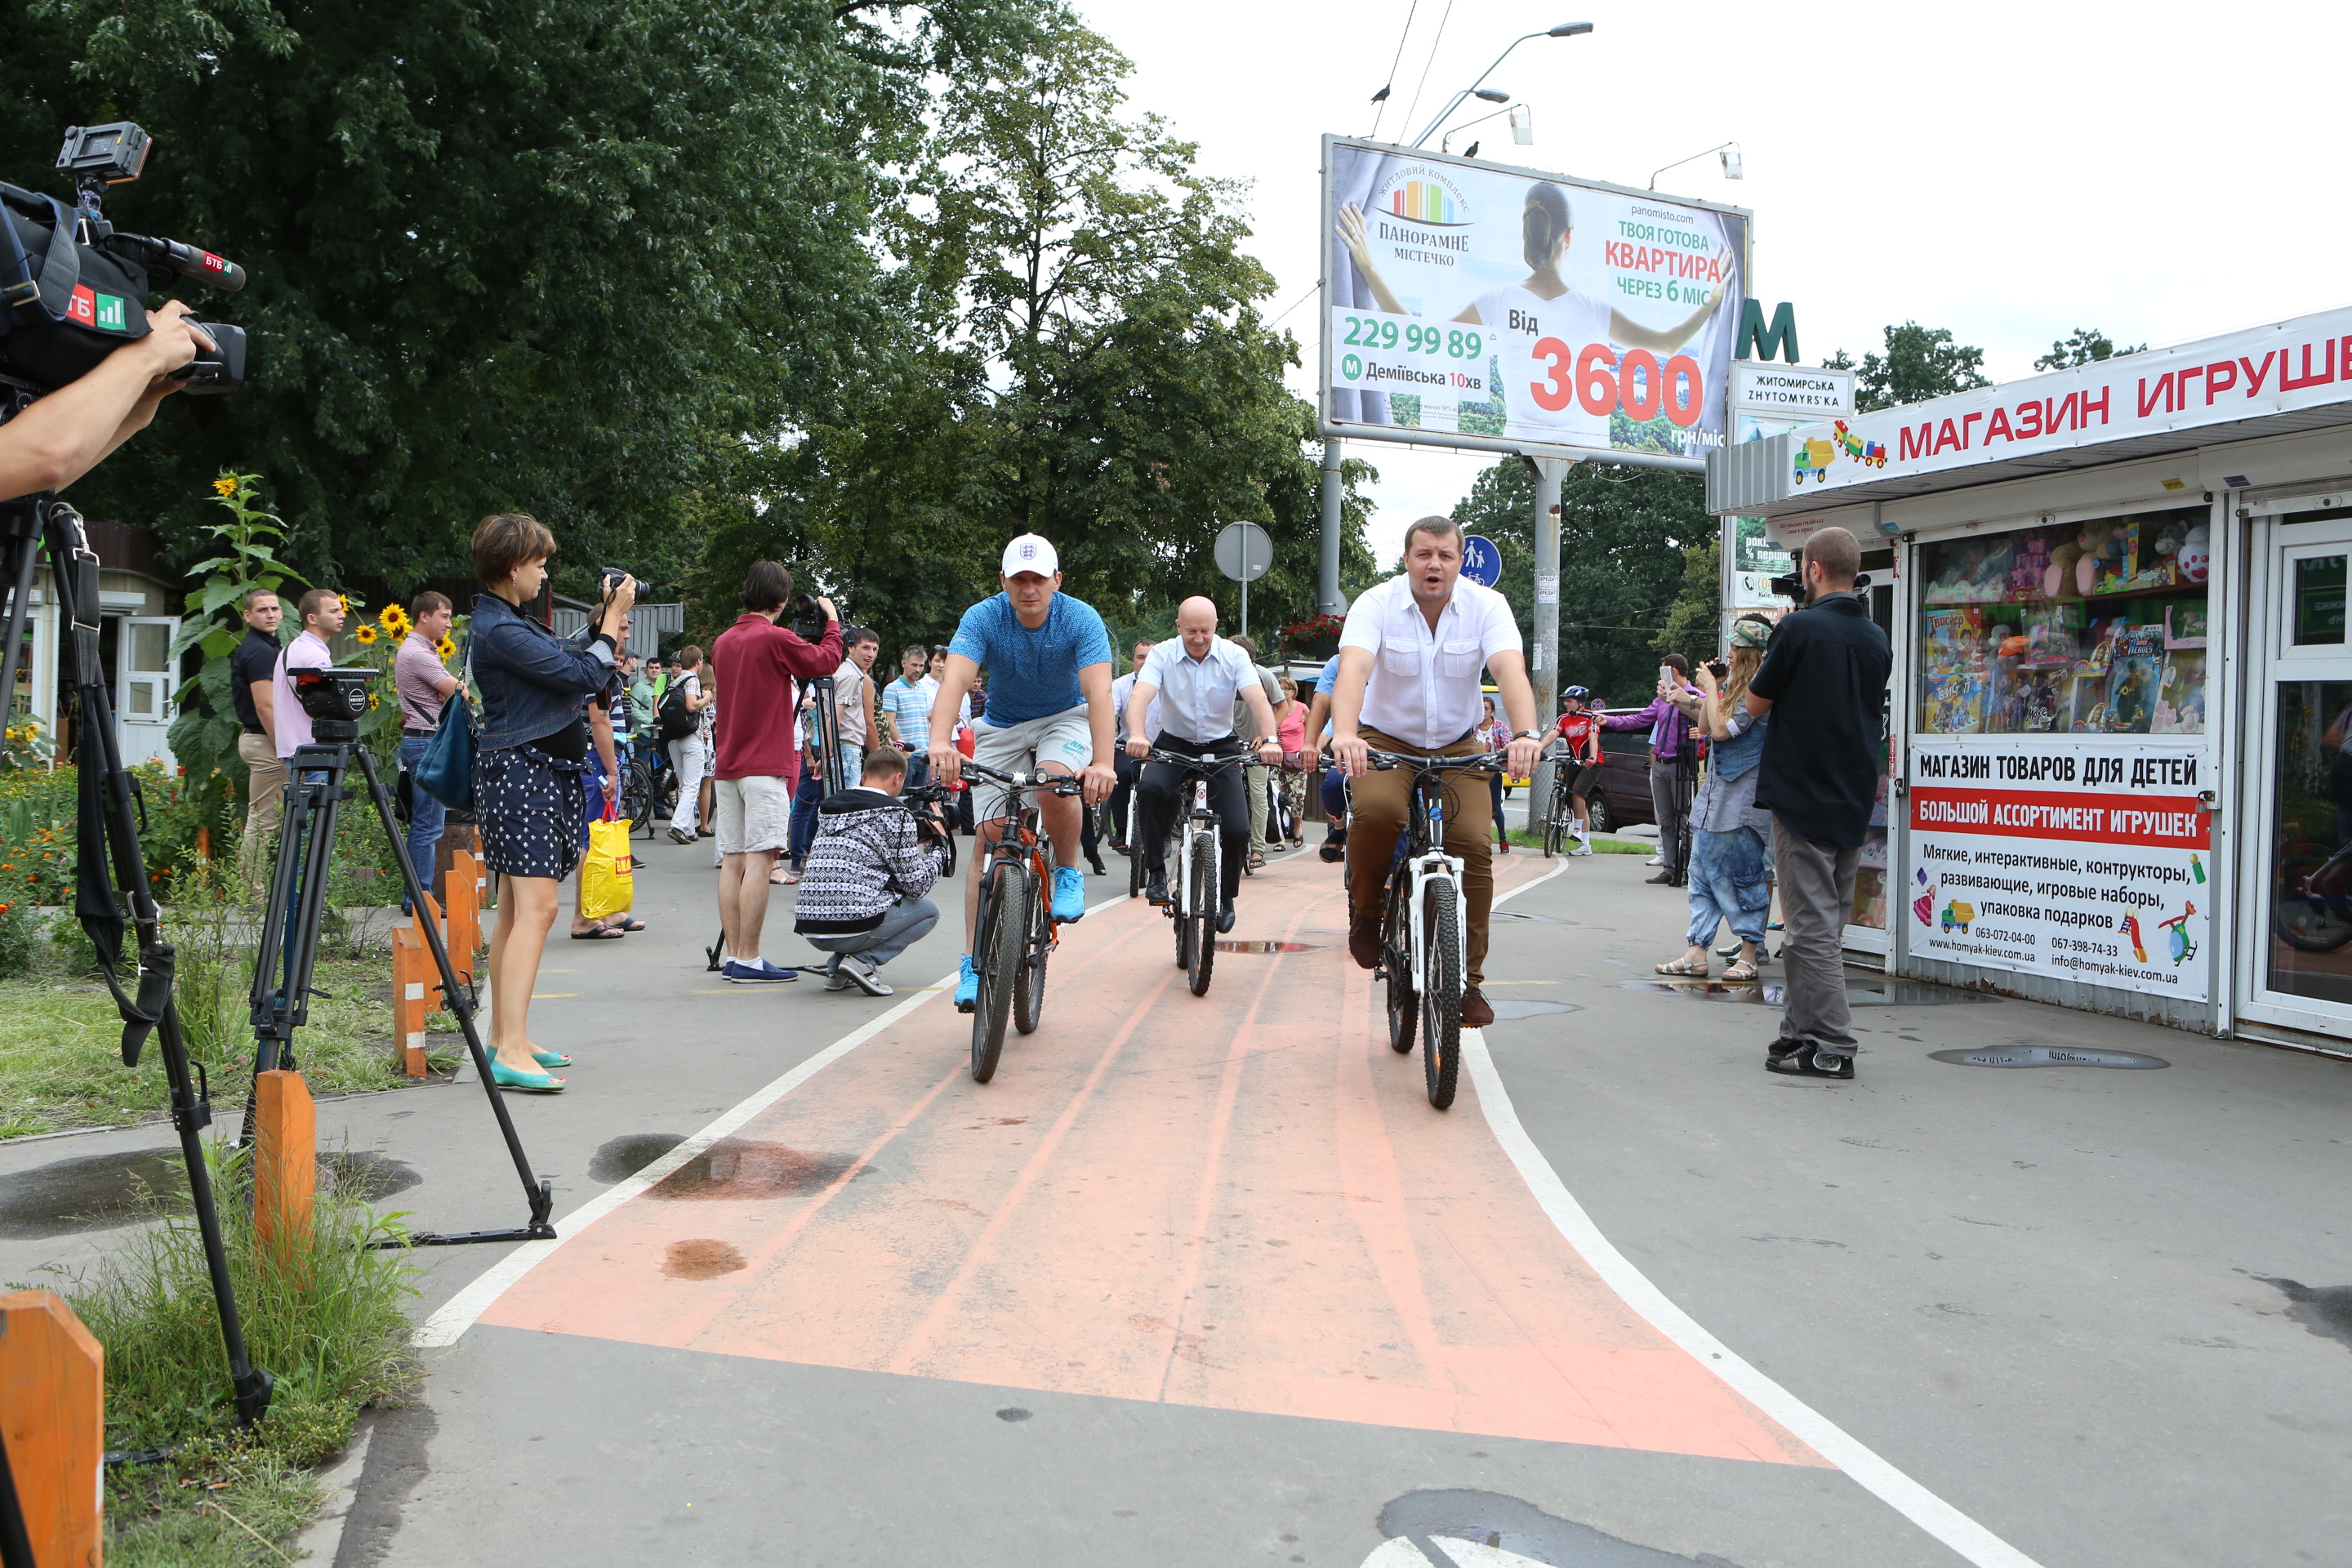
{"points": [[73, 287]]}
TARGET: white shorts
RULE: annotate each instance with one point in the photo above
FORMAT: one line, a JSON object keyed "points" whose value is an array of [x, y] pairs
{"points": [[1066, 738], [751, 815]]}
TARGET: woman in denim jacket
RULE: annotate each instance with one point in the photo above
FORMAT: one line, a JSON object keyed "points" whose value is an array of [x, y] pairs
{"points": [[1730, 865], [529, 757]]}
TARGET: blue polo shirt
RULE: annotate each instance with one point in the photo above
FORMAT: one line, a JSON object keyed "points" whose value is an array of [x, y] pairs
{"points": [[1032, 675]]}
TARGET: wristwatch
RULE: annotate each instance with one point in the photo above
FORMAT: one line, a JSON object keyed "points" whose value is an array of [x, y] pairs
{"points": [[1527, 735]]}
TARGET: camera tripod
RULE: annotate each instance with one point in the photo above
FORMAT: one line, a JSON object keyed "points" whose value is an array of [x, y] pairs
{"points": [[111, 893], [289, 937]]}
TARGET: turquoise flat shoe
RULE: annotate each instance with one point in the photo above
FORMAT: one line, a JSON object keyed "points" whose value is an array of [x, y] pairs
{"points": [[506, 1077], [552, 1058]]}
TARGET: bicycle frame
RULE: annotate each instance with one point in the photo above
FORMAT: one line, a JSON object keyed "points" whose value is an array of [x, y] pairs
{"points": [[1194, 820], [1420, 851]]}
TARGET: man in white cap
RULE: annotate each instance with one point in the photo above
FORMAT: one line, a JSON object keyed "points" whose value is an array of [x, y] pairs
{"points": [[1049, 710]]}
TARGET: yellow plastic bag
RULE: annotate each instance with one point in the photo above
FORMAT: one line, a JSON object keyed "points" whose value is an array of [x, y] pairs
{"points": [[605, 885]]}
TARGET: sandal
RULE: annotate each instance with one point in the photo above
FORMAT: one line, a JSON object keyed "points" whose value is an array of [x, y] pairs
{"points": [[598, 933], [1256, 860], [1741, 973], [782, 878], [1683, 966], [628, 922]]}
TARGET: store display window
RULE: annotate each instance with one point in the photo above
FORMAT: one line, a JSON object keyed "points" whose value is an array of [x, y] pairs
{"points": [[2092, 628]]}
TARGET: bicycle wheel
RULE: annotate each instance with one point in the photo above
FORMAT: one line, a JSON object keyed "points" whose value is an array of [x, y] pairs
{"points": [[1441, 1000], [1555, 832], [1396, 948], [1182, 921], [997, 954], [2312, 922], [637, 796], [1203, 919], [1029, 996]]}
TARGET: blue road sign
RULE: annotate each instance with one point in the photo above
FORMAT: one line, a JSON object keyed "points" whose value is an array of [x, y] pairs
{"points": [[1481, 562]]}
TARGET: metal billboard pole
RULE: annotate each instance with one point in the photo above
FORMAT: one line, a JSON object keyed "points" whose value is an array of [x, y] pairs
{"points": [[1550, 472], [1326, 581]]}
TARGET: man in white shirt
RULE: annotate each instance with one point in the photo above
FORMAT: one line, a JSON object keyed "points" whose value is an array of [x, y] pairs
{"points": [[1410, 658], [1193, 681], [322, 610], [1127, 767]]}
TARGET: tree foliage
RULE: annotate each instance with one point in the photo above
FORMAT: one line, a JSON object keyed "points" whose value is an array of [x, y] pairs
{"points": [[2088, 345], [1919, 362]]}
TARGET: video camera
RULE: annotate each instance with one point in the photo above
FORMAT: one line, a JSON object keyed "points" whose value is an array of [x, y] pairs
{"points": [[337, 696], [808, 618], [1791, 585], [73, 286]]}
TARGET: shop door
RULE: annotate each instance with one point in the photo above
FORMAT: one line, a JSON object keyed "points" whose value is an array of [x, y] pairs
{"points": [[2296, 967], [142, 701]]}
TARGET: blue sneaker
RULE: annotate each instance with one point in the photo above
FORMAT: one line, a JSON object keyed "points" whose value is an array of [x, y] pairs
{"points": [[1069, 894], [759, 973], [967, 995]]}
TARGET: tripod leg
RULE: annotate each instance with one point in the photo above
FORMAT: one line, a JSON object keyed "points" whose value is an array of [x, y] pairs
{"points": [[288, 959], [537, 1193]]}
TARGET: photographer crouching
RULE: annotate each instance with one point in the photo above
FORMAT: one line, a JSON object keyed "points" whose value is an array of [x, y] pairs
{"points": [[862, 893]]}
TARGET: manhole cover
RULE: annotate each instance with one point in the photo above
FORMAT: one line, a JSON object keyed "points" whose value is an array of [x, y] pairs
{"points": [[2047, 1057], [1226, 944]]}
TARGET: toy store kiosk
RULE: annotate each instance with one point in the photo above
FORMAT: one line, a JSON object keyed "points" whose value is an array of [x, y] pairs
{"points": [[2120, 729]]}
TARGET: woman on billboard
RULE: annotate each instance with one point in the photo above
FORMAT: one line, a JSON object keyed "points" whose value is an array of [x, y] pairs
{"points": [[1542, 326]]}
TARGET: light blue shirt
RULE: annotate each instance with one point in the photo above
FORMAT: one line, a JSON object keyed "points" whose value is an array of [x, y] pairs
{"points": [[909, 707], [1032, 675], [1330, 676], [1197, 696]]}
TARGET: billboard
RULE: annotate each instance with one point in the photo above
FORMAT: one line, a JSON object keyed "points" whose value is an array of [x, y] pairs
{"points": [[1469, 303]]}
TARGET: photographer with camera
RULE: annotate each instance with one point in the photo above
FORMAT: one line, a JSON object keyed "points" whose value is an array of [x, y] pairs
{"points": [[862, 895], [529, 757], [758, 660]]}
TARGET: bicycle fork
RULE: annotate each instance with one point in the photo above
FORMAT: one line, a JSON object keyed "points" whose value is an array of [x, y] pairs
{"points": [[1434, 863]]}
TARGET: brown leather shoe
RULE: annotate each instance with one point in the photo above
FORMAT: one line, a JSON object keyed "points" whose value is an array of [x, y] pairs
{"points": [[1364, 939], [1475, 1013]]}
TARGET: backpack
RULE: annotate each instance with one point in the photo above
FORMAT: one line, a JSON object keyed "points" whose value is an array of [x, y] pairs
{"points": [[677, 723]]}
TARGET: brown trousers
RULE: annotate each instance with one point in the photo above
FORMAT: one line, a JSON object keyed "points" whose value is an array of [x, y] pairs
{"points": [[1379, 802]]}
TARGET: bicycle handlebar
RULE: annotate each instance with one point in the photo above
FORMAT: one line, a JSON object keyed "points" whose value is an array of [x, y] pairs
{"points": [[1200, 764], [1052, 784], [1487, 762]]}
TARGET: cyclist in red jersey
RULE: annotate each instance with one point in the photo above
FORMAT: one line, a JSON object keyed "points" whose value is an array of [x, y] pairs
{"points": [[1582, 734]]}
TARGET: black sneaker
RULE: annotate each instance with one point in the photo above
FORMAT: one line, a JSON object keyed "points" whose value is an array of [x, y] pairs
{"points": [[1225, 919], [1331, 853], [1802, 1059], [1155, 888]]}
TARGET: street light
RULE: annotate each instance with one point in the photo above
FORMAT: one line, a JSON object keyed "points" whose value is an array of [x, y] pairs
{"points": [[1523, 127], [1732, 167], [1564, 30]]}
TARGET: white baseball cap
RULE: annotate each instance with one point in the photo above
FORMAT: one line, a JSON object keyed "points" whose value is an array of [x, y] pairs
{"points": [[1031, 553]]}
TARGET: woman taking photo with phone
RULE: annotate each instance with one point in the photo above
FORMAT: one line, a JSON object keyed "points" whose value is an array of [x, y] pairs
{"points": [[528, 762], [1731, 861]]}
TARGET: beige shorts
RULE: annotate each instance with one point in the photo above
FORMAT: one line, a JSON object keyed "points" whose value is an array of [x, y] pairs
{"points": [[752, 815], [1066, 738]]}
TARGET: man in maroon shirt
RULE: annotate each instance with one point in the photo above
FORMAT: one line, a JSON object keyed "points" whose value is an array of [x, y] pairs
{"points": [[756, 661]]}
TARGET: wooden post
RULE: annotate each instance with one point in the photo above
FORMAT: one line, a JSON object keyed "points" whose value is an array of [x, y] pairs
{"points": [[465, 925], [53, 1420], [412, 980], [285, 1165]]}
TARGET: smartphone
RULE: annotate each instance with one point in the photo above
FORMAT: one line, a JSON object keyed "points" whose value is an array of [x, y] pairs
{"points": [[1666, 676]]}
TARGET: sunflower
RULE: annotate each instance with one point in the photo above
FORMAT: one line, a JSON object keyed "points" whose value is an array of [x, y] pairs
{"points": [[224, 487], [365, 633], [446, 647], [394, 620], [345, 601], [371, 702]]}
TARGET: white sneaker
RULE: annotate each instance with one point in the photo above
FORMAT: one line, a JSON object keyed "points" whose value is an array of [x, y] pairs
{"points": [[863, 972], [1654, 861], [1583, 847]]}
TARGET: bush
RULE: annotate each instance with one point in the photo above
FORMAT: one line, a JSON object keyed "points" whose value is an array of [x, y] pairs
{"points": [[22, 946], [69, 945]]}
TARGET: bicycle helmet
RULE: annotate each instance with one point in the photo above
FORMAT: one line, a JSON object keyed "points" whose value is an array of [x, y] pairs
{"points": [[1581, 693]]}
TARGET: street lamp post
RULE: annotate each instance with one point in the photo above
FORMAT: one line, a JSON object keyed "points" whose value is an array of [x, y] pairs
{"points": [[1564, 30]]}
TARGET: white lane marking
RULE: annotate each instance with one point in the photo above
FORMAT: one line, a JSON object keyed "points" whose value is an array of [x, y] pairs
{"points": [[458, 1313], [1891, 1486]]}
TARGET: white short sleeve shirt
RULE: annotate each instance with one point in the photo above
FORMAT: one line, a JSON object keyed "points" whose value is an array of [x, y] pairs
{"points": [[1196, 695], [1425, 686]]}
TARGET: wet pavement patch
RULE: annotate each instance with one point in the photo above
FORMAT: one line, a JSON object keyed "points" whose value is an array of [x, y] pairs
{"points": [[2024, 1055], [1012, 1413], [89, 1191], [2325, 1311], [742, 1170], [700, 1259], [618, 1159], [1431, 1520], [1768, 993], [369, 1177], [1506, 1007], [1532, 919], [1227, 944]]}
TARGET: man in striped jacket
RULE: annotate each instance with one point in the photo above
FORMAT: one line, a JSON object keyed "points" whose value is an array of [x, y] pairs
{"points": [[861, 895]]}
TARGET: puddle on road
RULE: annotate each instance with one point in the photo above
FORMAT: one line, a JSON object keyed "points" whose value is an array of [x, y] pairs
{"points": [[618, 1159], [1228, 944], [1506, 1007], [2325, 1311], [2024, 1055], [740, 1170], [1428, 1520], [702, 1258], [1768, 993], [105, 1192]]}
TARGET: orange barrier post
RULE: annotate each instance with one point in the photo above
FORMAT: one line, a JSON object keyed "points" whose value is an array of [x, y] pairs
{"points": [[285, 1163], [53, 1420], [414, 983], [465, 924]]}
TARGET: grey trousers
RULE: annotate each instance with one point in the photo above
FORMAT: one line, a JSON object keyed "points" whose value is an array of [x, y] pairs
{"points": [[905, 923], [1668, 809], [1816, 895]]}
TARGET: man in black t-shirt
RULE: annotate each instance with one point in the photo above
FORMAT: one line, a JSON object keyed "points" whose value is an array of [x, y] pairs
{"points": [[251, 684], [1824, 683]]}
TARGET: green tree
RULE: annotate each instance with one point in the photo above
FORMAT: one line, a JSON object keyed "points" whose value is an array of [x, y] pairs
{"points": [[2087, 346], [1919, 362], [541, 256]]}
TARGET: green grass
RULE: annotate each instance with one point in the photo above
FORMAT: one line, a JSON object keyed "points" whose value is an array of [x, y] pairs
{"points": [[1601, 844]]}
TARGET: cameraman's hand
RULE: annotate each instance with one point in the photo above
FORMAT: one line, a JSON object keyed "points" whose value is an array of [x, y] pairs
{"points": [[616, 609], [171, 344], [827, 605]]}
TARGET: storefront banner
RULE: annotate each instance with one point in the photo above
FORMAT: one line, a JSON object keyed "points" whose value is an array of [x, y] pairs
{"points": [[1470, 298], [1755, 560], [2086, 861], [2274, 369]]}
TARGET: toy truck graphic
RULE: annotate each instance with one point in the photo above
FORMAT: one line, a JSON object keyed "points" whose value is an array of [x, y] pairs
{"points": [[1869, 453], [1957, 915], [1814, 457]]}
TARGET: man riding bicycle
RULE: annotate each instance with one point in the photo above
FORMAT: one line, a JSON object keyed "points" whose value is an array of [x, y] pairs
{"points": [[1583, 761], [1194, 679], [1048, 661], [1409, 657]]}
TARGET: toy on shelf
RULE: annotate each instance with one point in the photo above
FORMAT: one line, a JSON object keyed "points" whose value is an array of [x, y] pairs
{"points": [[2030, 565], [2058, 579], [2196, 553], [2180, 694]]}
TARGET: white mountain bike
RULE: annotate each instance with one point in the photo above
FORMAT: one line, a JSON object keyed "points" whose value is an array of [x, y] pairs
{"points": [[1195, 865]]}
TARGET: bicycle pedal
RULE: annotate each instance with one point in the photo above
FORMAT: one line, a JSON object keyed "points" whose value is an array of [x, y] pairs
{"points": [[1381, 972]]}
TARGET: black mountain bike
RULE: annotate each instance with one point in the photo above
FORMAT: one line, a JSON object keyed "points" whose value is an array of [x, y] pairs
{"points": [[1016, 929]]}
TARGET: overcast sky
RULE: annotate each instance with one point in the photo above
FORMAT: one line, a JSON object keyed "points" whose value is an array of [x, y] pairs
{"points": [[2011, 171]]}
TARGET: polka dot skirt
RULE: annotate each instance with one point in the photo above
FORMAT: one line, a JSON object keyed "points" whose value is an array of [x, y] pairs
{"points": [[527, 807]]}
